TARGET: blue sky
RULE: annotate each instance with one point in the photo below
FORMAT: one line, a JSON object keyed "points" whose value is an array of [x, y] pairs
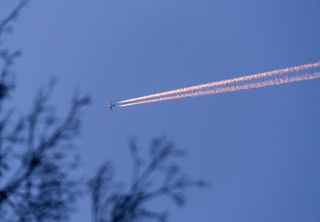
{"points": [[260, 148]]}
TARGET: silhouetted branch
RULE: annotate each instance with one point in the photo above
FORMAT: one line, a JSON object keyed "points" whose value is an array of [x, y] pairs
{"points": [[110, 205], [161, 217], [5, 24], [36, 150], [8, 57], [43, 162]]}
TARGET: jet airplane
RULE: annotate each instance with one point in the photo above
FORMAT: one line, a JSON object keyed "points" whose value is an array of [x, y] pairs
{"points": [[111, 106]]}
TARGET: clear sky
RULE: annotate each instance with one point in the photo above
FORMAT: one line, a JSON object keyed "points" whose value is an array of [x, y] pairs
{"points": [[260, 148]]}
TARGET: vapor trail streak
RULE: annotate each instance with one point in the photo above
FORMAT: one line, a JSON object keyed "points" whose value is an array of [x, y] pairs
{"points": [[237, 87], [224, 82]]}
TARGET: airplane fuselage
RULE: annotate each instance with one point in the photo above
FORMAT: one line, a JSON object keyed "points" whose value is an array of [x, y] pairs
{"points": [[111, 106]]}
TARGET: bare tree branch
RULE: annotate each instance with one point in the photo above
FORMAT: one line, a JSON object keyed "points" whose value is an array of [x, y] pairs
{"points": [[5, 24], [114, 205], [37, 155]]}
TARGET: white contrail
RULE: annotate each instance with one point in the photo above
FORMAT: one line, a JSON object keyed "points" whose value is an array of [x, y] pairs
{"points": [[205, 86], [232, 88]]}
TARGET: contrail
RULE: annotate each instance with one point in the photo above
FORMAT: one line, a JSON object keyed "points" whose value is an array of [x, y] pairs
{"points": [[224, 82], [232, 88]]}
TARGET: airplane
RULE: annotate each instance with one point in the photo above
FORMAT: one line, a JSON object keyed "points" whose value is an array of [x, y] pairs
{"points": [[111, 106]]}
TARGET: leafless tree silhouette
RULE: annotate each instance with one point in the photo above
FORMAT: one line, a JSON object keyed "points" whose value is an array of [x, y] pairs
{"points": [[38, 157], [37, 154], [110, 203]]}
